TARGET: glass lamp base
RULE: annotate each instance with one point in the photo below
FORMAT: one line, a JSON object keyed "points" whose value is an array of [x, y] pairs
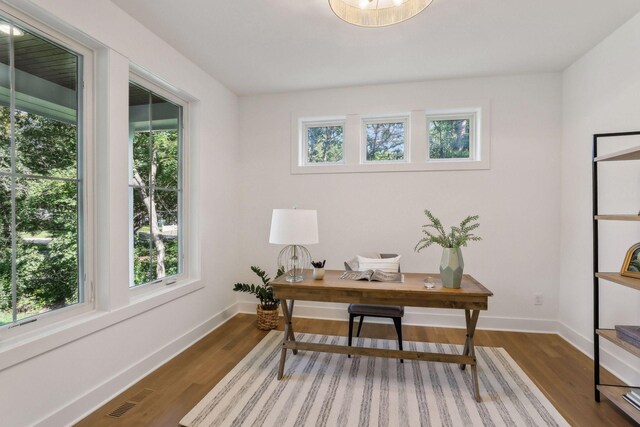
{"points": [[294, 259]]}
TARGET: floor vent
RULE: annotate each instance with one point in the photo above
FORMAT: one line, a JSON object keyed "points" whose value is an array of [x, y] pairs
{"points": [[141, 395], [131, 403], [121, 410]]}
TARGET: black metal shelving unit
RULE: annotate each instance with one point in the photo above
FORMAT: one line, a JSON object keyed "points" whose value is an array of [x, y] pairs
{"points": [[613, 392]]}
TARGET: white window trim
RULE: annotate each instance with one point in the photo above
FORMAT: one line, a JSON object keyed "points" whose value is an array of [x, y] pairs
{"points": [[404, 118], [416, 142], [86, 175], [304, 125], [71, 325], [33, 342], [107, 304], [153, 84], [474, 139]]}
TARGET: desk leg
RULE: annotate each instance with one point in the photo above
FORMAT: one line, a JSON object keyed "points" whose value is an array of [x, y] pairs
{"points": [[288, 335], [467, 320], [471, 318]]}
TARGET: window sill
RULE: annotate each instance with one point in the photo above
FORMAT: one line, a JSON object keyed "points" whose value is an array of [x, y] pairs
{"points": [[154, 288], [434, 165], [26, 346]]}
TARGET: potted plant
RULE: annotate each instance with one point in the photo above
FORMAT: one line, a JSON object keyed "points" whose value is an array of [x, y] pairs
{"points": [[451, 264], [267, 310]]}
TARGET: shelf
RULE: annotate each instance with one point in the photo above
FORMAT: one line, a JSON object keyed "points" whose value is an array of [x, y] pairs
{"points": [[614, 394], [610, 335], [628, 154], [631, 217], [630, 282]]}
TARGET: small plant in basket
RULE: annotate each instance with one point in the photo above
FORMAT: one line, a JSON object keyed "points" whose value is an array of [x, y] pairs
{"points": [[267, 310]]}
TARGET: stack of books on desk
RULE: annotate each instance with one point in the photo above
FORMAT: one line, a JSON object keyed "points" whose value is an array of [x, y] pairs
{"points": [[630, 334], [633, 397]]}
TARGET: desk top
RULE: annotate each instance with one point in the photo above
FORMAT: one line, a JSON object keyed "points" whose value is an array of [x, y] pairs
{"points": [[411, 292]]}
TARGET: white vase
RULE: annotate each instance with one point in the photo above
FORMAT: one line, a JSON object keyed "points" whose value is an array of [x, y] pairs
{"points": [[451, 267], [318, 273]]}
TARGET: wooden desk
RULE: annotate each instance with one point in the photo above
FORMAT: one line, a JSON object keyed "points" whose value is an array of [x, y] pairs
{"points": [[471, 297]]}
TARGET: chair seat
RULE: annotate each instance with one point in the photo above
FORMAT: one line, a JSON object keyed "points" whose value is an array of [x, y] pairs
{"points": [[376, 310]]}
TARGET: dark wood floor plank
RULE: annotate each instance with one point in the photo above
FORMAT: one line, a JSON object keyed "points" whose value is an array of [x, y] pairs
{"points": [[562, 372]]}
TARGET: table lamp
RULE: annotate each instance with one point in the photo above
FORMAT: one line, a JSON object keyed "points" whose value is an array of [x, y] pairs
{"points": [[294, 228]]}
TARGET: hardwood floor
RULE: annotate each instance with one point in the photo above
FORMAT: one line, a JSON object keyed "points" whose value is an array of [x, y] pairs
{"points": [[563, 373]]}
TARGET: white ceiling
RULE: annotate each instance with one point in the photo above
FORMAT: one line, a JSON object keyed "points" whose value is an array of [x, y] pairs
{"points": [[261, 46]]}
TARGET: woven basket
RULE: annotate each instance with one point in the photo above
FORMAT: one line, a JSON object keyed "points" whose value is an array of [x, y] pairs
{"points": [[267, 319]]}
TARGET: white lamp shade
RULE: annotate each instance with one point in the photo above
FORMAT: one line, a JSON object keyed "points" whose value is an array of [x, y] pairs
{"points": [[294, 227]]}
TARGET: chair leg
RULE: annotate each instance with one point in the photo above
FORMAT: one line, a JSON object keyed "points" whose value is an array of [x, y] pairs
{"points": [[397, 321], [351, 316], [360, 325]]}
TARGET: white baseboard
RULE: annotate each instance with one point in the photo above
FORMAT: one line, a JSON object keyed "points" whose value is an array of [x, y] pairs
{"points": [[419, 318], [578, 340], [102, 393], [612, 362]]}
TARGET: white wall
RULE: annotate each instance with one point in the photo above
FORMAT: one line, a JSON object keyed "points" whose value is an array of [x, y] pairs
{"points": [[525, 250], [61, 385], [601, 93], [518, 198]]}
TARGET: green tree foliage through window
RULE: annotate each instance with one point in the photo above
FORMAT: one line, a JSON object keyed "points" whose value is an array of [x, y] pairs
{"points": [[385, 141], [40, 186], [449, 139], [46, 218], [325, 144], [155, 145]]}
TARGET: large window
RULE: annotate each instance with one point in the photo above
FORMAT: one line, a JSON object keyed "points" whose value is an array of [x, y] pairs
{"points": [[40, 175], [155, 141]]}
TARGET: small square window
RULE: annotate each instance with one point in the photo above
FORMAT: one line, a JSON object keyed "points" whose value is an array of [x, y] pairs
{"points": [[386, 139], [324, 142], [451, 137]]}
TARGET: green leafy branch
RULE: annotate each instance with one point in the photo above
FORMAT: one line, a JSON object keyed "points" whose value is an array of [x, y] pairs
{"points": [[263, 292], [435, 233]]}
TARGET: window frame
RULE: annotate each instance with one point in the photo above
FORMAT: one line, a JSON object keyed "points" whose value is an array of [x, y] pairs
{"points": [[108, 300], [85, 178], [304, 139], [472, 117], [405, 119], [416, 142], [184, 273]]}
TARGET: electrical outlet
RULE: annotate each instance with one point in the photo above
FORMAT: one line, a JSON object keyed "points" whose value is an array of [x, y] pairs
{"points": [[537, 299]]}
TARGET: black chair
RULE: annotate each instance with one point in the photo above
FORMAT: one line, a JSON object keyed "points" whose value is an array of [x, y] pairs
{"points": [[394, 312]]}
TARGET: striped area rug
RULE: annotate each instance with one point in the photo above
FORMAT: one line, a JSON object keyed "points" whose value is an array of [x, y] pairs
{"points": [[325, 389]]}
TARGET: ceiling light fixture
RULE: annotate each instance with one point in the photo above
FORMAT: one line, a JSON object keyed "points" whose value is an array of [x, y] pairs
{"points": [[377, 13]]}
